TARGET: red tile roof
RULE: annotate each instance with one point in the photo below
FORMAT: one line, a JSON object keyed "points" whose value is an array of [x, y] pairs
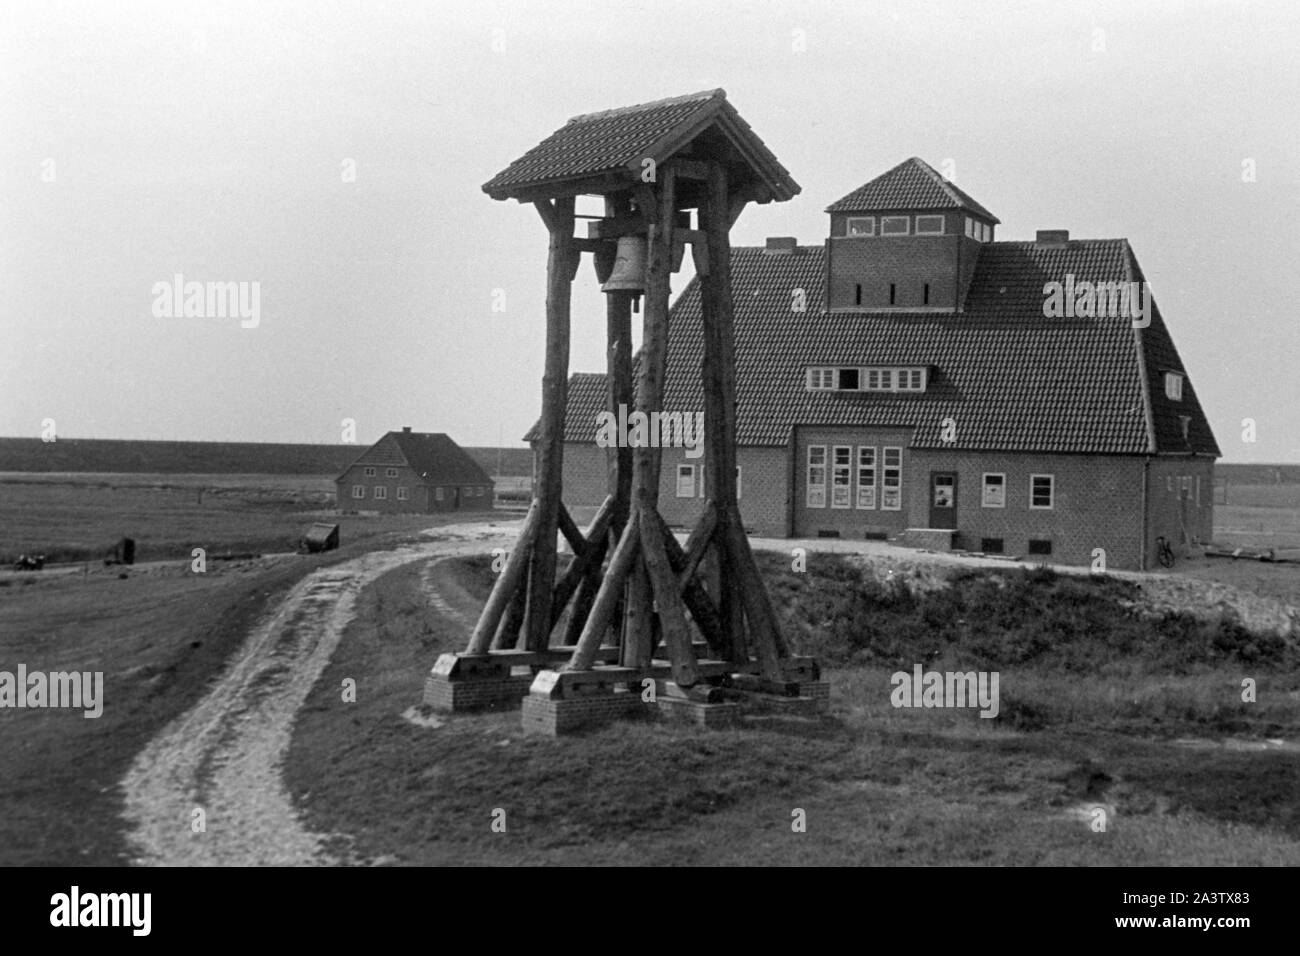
{"points": [[912, 184], [1012, 379], [618, 140]]}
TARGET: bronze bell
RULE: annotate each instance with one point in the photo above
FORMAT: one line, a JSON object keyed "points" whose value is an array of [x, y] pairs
{"points": [[628, 274]]}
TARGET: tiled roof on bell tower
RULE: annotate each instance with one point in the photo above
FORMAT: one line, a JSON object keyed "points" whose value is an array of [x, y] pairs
{"points": [[608, 147]]}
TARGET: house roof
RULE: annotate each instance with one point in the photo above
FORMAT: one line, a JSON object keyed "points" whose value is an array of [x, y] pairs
{"points": [[1011, 378], [616, 142], [912, 184], [432, 455]]}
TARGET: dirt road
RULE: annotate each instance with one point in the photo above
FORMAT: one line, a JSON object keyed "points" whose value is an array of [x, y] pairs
{"points": [[208, 789]]}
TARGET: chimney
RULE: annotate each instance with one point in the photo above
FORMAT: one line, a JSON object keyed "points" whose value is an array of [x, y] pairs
{"points": [[781, 245], [406, 429], [1052, 238]]}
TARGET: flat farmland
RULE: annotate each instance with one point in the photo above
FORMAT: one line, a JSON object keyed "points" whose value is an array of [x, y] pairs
{"points": [[78, 517], [1258, 516]]}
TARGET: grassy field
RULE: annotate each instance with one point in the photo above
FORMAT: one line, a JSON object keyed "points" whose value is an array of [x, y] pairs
{"points": [[78, 517], [1095, 701], [1097, 706]]}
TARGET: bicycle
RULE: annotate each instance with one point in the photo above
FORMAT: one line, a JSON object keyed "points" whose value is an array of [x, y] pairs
{"points": [[1164, 552]]}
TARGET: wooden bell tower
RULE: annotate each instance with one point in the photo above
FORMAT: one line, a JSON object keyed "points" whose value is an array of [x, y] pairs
{"points": [[694, 619]]}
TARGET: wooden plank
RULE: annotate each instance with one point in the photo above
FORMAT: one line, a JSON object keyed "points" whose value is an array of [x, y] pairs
{"points": [[550, 445], [672, 613], [763, 629], [703, 611], [511, 578], [689, 168], [507, 633], [620, 565], [569, 529], [583, 569], [698, 541]]}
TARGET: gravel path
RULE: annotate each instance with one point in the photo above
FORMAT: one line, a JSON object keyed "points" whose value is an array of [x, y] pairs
{"points": [[225, 755]]}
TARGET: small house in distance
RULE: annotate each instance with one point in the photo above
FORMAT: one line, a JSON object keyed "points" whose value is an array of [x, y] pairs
{"points": [[410, 472]]}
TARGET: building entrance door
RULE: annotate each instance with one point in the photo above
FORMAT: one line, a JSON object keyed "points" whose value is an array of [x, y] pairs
{"points": [[943, 499]]}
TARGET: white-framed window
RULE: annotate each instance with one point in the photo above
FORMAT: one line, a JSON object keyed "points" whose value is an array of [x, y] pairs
{"points": [[866, 476], [437, 494], [887, 379], [685, 481], [841, 476], [1198, 491], [370, 472], [970, 228], [1173, 386], [891, 492], [1186, 489], [911, 380], [820, 379], [390, 472], [358, 491], [1042, 492], [986, 232], [895, 225], [929, 225], [861, 226], [403, 493], [381, 492], [816, 495], [995, 490]]}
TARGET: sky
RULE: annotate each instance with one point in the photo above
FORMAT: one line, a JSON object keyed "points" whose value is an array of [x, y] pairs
{"points": [[333, 154]]}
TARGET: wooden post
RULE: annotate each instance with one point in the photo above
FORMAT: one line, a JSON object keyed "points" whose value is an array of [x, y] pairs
{"points": [[618, 385], [657, 206], [512, 577], [719, 375], [558, 217]]}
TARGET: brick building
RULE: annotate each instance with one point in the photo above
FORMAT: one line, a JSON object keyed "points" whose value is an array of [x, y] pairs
{"points": [[414, 472], [913, 379]]}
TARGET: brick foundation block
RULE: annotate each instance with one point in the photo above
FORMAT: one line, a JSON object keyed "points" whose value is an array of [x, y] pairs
{"points": [[711, 716], [461, 694], [556, 716]]}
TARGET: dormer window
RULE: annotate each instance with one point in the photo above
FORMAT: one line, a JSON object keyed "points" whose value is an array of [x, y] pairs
{"points": [[895, 225], [866, 379], [1173, 386], [929, 225], [820, 379], [862, 225]]}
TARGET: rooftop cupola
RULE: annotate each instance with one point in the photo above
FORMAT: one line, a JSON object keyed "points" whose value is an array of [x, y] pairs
{"points": [[906, 241]]}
